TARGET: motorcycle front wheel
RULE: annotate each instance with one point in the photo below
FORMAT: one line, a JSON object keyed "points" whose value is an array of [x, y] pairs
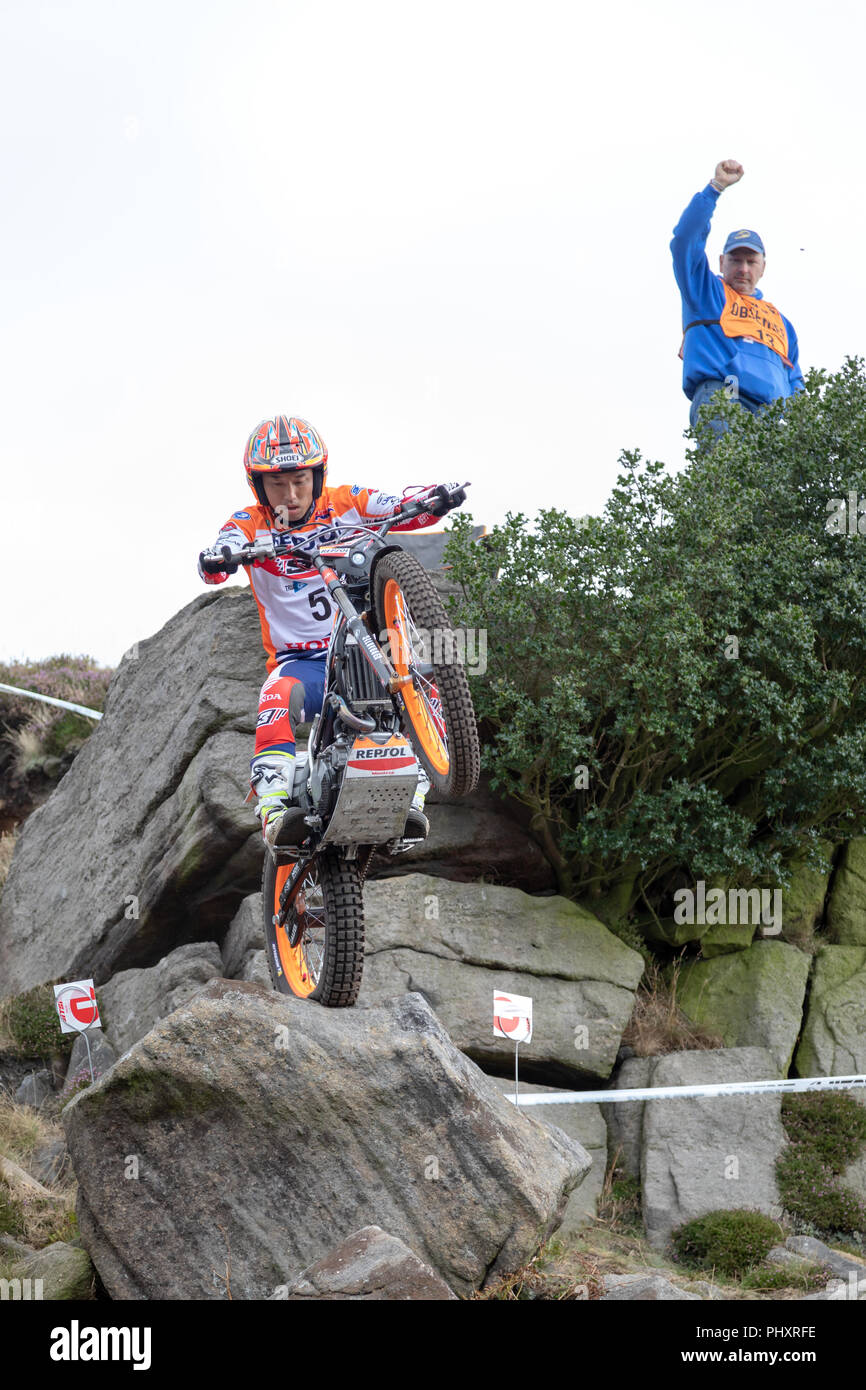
{"points": [[328, 960], [440, 719]]}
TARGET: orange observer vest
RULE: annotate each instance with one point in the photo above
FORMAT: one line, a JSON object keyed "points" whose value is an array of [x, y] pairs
{"points": [[756, 320]]}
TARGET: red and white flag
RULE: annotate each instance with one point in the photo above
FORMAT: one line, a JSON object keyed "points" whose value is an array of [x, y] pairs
{"points": [[512, 1016], [76, 1006]]}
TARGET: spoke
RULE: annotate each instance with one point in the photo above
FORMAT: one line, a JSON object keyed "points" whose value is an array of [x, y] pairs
{"points": [[312, 936]]}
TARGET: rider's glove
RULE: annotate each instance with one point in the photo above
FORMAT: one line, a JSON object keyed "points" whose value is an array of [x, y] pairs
{"points": [[443, 502], [217, 561]]}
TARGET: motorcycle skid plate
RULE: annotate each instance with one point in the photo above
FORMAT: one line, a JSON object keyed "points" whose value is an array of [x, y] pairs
{"points": [[380, 780]]}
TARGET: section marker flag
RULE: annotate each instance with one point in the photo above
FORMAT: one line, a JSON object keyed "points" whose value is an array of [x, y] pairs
{"points": [[512, 1016], [76, 1006]]}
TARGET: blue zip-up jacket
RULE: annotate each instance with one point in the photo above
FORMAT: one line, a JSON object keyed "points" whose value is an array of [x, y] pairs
{"points": [[760, 372]]}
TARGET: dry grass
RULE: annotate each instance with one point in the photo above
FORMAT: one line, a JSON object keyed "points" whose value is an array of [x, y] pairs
{"points": [[37, 1219], [554, 1275], [657, 1024], [7, 849]]}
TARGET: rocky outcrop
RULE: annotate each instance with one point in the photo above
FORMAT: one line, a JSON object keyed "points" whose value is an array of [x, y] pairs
{"points": [[458, 943], [705, 1154], [167, 861], [265, 1129], [372, 1266]]}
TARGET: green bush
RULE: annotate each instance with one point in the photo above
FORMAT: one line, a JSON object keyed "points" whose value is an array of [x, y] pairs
{"points": [[700, 649], [728, 1241]]}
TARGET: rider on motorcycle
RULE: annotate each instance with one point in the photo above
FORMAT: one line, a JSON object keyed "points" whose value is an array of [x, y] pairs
{"points": [[286, 464]]}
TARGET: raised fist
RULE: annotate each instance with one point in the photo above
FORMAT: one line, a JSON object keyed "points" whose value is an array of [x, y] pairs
{"points": [[728, 171]]}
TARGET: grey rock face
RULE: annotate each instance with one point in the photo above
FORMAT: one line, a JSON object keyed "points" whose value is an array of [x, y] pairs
{"points": [[808, 1248], [102, 1056], [49, 1162], [833, 1041], [266, 1128], [66, 1272], [643, 1288], [134, 1000], [245, 936], [702, 1155], [34, 1089], [624, 1119], [583, 1124], [133, 875], [470, 840], [458, 943], [369, 1265]]}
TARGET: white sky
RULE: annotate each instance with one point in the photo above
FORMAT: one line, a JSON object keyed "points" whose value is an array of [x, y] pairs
{"points": [[440, 232]]}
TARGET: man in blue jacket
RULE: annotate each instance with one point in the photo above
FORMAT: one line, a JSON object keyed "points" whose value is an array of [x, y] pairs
{"points": [[734, 340]]}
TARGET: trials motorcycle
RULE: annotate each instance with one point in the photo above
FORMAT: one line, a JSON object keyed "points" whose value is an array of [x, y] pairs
{"points": [[396, 699]]}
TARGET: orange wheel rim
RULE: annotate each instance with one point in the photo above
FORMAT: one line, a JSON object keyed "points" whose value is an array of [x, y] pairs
{"points": [[300, 973], [426, 717]]}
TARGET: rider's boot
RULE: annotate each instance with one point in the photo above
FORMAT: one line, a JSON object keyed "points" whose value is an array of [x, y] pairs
{"points": [[271, 776], [417, 824]]}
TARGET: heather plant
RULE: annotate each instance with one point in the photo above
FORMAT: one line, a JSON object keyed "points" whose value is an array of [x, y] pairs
{"points": [[826, 1132], [677, 688], [35, 731]]}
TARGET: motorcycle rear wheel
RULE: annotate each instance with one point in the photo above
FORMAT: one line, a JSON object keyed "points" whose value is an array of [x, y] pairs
{"points": [[440, 719], [328, 961]]}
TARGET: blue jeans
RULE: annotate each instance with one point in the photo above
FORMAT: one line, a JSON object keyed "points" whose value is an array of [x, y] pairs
{"points": [[716, 424]]}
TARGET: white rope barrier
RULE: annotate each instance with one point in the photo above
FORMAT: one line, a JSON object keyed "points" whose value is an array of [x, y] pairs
{"points": [[50, 700], [721, 1088]]}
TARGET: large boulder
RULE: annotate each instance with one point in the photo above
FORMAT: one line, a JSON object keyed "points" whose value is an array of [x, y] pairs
{"points": [[706, 1154], [250, 1132], [457, 943], [753, 998], [834, 1033], [134, 1000], [146, 843]]}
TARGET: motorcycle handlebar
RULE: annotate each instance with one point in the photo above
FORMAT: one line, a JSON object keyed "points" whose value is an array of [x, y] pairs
{"points": [[224, 560]]}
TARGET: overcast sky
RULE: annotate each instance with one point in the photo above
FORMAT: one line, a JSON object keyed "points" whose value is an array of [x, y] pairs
{"points": [[440, 232]]}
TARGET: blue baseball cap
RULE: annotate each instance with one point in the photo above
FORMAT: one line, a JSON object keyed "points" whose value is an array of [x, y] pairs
{"points": [[744, 238]]}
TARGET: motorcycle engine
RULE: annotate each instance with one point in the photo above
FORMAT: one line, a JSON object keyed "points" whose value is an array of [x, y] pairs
{"points": [[326, 777]]}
